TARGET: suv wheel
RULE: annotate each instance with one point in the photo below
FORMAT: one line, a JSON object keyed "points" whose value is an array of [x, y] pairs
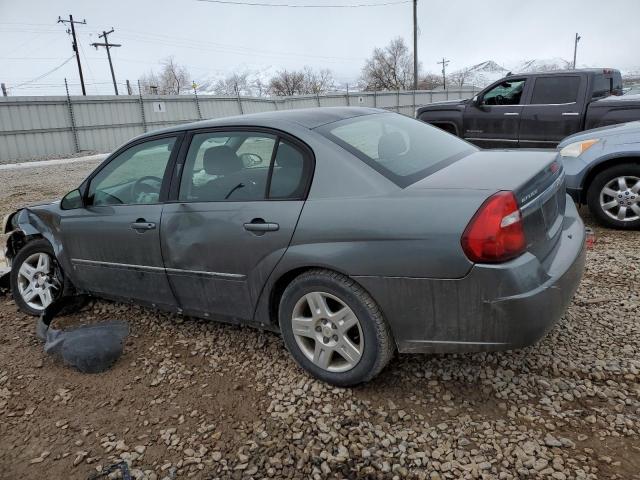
{"points": [[614, 196], [334, 329]]}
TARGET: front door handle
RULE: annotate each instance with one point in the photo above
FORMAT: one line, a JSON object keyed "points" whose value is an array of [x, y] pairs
{"points": [[570, 114], [141, 225], [511, 114], [259, 226]]}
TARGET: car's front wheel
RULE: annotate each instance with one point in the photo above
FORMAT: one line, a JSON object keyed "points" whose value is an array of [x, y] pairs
{"points": [[614, 196], [334, 329], [36, 279]]}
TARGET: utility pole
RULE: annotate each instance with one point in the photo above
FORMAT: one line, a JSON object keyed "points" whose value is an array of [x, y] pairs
{"points": [[75, 45], [444, 64], [107, 46], [415, 45], [575, 50]]}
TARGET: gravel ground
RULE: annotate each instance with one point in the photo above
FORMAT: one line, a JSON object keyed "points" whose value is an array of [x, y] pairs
{"points": [[196, 399], [84, 153]]}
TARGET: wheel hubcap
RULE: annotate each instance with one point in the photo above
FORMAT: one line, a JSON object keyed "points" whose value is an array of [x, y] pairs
{"points": [[327, 332], [37, 284], [620, 199]]}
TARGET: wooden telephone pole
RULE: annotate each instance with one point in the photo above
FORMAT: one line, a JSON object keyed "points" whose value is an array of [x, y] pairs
{"points": [[415, 45], [72, 31], [107, 46]]}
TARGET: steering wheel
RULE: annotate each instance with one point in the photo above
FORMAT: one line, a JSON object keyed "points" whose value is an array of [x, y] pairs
{"points": [[499, 99], [251, 159], [141, 187]]}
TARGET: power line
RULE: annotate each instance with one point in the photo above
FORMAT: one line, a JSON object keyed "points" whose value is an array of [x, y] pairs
{"points": [[288, 5], [45, 74]]}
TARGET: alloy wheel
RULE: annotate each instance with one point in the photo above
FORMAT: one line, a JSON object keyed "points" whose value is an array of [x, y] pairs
{"points": [[37, 282], [620, 198], [327, 332]]}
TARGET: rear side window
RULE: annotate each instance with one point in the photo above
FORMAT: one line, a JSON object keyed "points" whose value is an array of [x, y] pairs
{"points": [[243, 166], [556, 89], [402, 149]]}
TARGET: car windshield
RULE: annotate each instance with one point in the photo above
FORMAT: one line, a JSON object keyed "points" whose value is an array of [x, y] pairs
{"points": [[402, 149]]}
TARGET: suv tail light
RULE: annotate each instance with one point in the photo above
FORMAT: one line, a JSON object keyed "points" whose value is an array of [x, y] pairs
{"points": [[495, 233]]}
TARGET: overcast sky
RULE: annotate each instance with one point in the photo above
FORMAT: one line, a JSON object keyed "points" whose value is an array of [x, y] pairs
{"points": [[212, 38]]}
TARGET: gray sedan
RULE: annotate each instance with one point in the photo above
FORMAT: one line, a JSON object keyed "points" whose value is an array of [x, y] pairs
{"points": [[354, 232], [603, 171]]}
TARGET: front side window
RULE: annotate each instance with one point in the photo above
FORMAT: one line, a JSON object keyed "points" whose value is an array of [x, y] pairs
{"points": [[403, 149], [242, 166], [134, 176], [555, 90], [508, 92]]}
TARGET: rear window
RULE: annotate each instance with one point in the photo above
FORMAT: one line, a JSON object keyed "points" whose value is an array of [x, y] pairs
{"points": [[402, 149], [607, 84], [556, 89]]}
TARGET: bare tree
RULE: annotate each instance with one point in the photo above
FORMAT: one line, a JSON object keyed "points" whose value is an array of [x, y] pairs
{"points": [[430, 81], [389, 68], [287, 83], [234, 84], [173, 79], [460, 77], [316, 82]]}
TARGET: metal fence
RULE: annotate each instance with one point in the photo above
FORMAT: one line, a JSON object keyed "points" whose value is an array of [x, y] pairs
{"points": [[44, 126]]}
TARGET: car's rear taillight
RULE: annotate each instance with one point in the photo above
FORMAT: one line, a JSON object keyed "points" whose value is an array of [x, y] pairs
{"points": [[495, 233]]}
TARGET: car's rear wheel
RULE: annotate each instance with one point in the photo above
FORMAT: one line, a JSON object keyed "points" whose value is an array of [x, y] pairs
{"points": [[36, 278], [614, 196], [334, 329]]}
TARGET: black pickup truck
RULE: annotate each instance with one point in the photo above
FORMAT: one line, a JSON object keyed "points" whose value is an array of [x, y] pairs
{"points": [[536, 110]]}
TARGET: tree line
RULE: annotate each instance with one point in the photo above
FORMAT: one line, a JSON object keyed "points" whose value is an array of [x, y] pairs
{"points": [[388, 68]]}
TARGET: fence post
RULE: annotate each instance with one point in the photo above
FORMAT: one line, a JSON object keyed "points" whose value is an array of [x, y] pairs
{"points": [[430, 96], [195, 94], [447, 90], [129, 91], [72, 118], [375, 99], [144, 120], [414, 101], [348, 99], [240, 102], [398, 101], [318, 97]]}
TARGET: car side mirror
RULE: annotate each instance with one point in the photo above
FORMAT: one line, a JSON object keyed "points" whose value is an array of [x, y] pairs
{"points": [[476, 100], [72, 200]]}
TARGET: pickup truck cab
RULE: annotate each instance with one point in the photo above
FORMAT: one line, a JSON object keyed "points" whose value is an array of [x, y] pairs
{"points": [[536, 110]]}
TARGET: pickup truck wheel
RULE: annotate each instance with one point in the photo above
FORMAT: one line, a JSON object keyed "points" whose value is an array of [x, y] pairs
{"points": [[334, 329], [614, 196]]}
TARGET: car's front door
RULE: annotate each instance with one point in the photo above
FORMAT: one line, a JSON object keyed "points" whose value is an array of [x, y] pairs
{"points": [[241, 193], [494, 119], [113, 242], [555, 111]]}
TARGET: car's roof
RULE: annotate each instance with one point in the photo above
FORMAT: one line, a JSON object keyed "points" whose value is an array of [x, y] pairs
{"points": [[305, 117]]}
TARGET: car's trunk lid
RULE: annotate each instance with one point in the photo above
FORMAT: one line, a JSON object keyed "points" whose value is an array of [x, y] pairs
{"points": [[536, 178]]}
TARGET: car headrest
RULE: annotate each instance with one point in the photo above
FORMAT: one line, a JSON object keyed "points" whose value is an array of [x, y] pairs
{"points": [[391, 145], [288, 157], [221, 160]]}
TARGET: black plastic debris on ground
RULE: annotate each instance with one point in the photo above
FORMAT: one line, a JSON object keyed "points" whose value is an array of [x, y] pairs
{"points": [[5, 285], [122, 467], [89, 348]]}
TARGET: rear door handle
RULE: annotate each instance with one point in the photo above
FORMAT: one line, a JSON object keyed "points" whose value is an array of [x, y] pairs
{"points": [[570, 114], [259, 226], [511, 114], [141, 225]]}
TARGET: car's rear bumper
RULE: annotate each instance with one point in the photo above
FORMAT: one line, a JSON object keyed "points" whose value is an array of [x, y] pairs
{"points": [[494, 307]]}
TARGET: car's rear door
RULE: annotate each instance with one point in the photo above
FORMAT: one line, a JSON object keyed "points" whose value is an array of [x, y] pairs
{"points": [[554, 110], [113, 242], [239, 199]]}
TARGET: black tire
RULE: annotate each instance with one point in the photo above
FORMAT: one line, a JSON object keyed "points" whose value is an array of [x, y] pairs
{"points": [[596, 186], [35, 246], [379, 345]]}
